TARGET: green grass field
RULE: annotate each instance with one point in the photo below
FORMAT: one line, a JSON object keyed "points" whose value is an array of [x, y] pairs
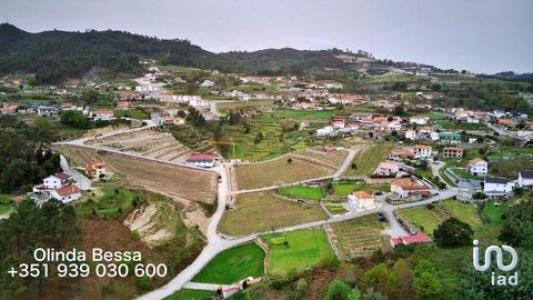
{"points": [[447, 124], [305, 249], [191, 295], [465, 212], [112, 203], [428, 220], [335, 208], [136, 113], [346, 188], [302, 192], [233, 265], [463, 173], [367, 160]]}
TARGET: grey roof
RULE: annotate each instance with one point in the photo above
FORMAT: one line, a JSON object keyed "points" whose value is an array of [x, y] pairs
{"points": [[527, 174], [496, 180]]}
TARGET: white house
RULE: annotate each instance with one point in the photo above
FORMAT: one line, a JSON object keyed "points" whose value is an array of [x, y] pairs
{"points": [[338, 122], [207, 83], [66, 194], [478, 167], [525, 179], [102, 115], [56, 181], [199, 104], [498, 187], [387, 168], [326, 131], [410, 134], [202, 160], [363, 200], [422, 151], [418, 120]]}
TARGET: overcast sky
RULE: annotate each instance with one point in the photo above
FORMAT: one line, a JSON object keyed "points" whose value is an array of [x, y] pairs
{"points": [[478, 35]]}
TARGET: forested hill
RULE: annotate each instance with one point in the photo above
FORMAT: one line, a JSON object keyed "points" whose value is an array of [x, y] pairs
{"points": [[286, 60], [56, 55]]}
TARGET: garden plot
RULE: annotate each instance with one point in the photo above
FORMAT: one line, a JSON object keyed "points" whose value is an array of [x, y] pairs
{"points": [[332, 158], [283, 170], [264, 211], [359, 237], [149, 143]]}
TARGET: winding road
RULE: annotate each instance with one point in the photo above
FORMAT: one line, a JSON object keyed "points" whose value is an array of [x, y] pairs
{"points": [[218, 242]]}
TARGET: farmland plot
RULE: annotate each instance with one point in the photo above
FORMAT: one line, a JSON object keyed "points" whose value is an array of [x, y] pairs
{"points": [[359, 237], [263, 211], [171, 180]]}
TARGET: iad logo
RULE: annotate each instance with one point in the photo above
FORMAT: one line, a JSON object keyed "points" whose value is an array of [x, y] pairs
{"points": [[500, 280]]}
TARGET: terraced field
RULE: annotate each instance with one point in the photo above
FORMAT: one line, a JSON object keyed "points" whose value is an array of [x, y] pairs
{"points": [[359, 237], [171, 180], [279, 171], [263, 211], [149, 142], [334, 158]]}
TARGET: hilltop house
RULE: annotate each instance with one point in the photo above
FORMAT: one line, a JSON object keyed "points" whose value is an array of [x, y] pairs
{"points": [[202, 160], [495, 187], [478, 167], [452, 152], [363, 200], [422, 151], [59, 186], [525, 179]]}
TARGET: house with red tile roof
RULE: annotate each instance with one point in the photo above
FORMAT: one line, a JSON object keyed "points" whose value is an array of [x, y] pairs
{"points": [[202, 160], [418, 238]]}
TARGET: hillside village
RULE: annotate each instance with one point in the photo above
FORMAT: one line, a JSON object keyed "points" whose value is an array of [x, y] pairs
{"points": [[344, 172]]}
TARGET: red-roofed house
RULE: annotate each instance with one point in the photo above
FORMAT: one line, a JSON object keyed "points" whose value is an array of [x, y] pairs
{"points": [[66, 194], [95, 169], [363, 200], [202, 160], [418, 238], [406, 187], [338, 122]]}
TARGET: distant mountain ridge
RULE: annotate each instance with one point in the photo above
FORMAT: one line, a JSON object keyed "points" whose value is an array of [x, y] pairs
{"points": [[58, 55]]}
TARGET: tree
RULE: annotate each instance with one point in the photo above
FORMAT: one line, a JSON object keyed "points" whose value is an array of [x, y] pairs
{"points": [[405, 278], [453, 232], [338, 290], [426, 285], [518, 226], [74, 119]]}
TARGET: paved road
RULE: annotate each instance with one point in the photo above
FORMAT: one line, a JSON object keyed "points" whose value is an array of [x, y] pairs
{"points": [[215, 243], [218, 242], [83, 182]]}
